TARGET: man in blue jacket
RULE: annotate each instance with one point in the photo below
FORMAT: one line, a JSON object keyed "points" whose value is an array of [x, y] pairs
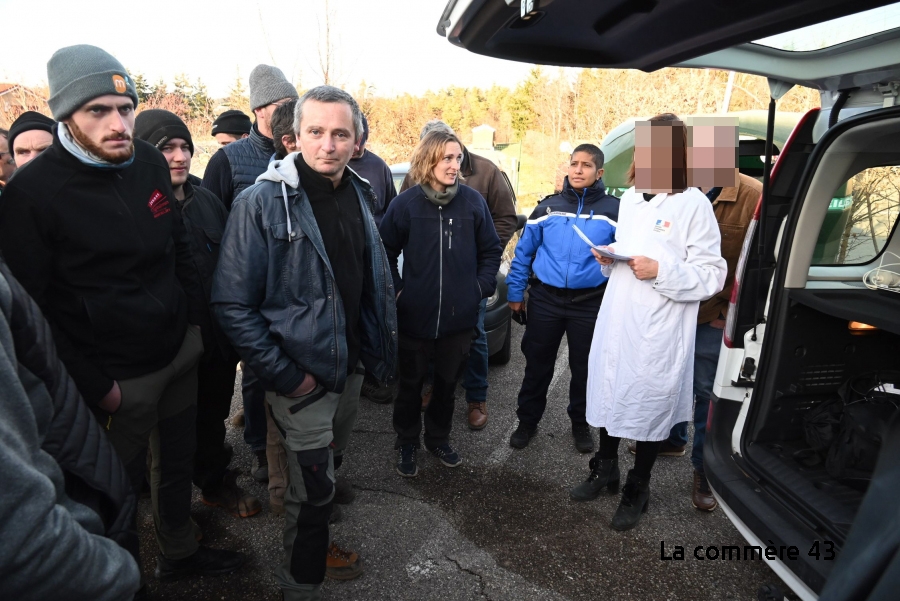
{"points": [[304, 292], [566, 290]]}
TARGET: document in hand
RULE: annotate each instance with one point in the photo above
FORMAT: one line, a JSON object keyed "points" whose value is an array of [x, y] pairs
{"points": [[600, 249]]}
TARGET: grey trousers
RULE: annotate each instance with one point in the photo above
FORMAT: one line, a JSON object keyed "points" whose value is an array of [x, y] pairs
{"points": [[159, 409], [313, 429]]}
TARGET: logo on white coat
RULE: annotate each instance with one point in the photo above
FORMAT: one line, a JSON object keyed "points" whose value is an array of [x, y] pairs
{"points": [[662, 227]]}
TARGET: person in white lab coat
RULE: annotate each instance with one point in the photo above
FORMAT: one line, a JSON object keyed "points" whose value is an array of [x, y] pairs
{"points": [[640, 370]]}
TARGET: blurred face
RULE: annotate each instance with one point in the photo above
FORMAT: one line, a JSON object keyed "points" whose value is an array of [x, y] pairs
{"points": [[226, 139], [29, 144], [178, 154], [712, 153], [105, 126], [360, 150], [326, 138], [7, 165], [659, 157], [583, 173], [447, 169]]}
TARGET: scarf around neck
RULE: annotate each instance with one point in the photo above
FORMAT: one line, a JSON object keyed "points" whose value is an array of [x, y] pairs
{"points": [[440, 199], [81, 153]]}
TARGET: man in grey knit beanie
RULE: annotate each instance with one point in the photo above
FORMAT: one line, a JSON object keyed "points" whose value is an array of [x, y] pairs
{"points": [[80, 73]]}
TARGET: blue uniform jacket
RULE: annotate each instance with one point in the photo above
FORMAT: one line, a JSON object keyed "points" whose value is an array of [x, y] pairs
{"points": [[551, 248]]}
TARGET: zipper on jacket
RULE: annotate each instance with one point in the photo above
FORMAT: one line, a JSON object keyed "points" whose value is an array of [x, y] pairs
{"points": [[450, 245], [437, 327]]}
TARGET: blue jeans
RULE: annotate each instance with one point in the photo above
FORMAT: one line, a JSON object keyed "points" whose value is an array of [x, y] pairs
{"points": [[706, 359], [254, 395], [475, 377]]}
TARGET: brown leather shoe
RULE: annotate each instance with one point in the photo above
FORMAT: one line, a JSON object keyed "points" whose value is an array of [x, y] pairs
{"points": [[238, 420], [477, 416], [666, 449], [232, 498], [702, 497], [427, 388], [341, 564]]}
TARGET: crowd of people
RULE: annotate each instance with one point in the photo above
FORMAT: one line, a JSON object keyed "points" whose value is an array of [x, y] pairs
{"points": [[131, 292]]}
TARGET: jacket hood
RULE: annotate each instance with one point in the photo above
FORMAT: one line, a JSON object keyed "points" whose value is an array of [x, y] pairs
{"points": [[284, 170]]}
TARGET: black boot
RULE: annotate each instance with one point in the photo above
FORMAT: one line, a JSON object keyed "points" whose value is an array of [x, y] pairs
{"points": [[204, 561], [604, 472], [635, 500]]}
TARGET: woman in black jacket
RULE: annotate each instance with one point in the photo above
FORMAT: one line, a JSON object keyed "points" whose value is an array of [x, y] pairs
{"points": [[451, 257]]}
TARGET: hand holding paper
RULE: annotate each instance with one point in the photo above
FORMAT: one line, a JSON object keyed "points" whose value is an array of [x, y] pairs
{"points": [[601, 250]]}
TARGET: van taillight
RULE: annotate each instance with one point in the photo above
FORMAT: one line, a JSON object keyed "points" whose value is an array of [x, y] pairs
{"points": [[731, 320]]}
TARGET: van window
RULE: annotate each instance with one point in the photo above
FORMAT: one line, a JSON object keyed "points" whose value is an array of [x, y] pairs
{"points": [[860, 218]]}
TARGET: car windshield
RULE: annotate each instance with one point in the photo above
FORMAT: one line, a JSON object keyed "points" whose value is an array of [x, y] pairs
{"points": [[837, 31]]}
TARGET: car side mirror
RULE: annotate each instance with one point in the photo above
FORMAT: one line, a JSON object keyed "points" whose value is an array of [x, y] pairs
{"points": [[520, 222]]}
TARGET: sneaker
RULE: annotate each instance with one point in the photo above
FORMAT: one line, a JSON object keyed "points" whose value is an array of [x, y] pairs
{"points": [[230, 497], [584, 442], [427, 389], [523, 434], [260, 471], [406, 463], [378, 392], [446, 454], [666, 449], [204, 561], [238, 420], [342, 565], [343, 491]]}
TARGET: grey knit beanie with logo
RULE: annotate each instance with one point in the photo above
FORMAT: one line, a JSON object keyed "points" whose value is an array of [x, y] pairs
{"points": [[77, 74], [267, 85]]}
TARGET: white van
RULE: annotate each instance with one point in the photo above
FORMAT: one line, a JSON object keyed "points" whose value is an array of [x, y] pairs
{"points": [[806, 388]]}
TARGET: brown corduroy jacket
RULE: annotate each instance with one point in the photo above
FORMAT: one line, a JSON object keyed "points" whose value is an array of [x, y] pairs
{"points": [[734, 210], [482, 175]]}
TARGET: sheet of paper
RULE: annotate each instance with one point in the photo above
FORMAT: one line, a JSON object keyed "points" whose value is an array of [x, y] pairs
{"points": [[600, 249]]}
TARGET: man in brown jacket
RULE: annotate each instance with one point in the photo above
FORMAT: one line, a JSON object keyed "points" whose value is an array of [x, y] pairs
{"points": [[710, 161], [481, 174]]}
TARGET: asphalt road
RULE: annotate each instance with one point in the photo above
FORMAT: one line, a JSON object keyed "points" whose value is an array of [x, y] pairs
{"points": [[500, 527]]}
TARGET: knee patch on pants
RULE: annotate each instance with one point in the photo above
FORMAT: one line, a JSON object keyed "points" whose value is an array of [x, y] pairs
{"points": [[314, 467]]}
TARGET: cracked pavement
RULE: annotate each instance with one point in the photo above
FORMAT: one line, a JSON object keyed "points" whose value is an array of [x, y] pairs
{"points": [[499, 528]]}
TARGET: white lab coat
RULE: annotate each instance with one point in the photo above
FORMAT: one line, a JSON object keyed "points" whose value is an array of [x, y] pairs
{"points": [[641, 366]]}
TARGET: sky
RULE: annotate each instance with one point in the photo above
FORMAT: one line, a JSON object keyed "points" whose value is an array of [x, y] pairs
{"points": [[391, 45]]}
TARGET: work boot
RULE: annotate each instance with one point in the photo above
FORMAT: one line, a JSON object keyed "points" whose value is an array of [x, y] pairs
{"points": [[341, 564], [378, 392], [477, 416], [666, 449], [523, 434], [230, 497], [702, 497], [343, 491], [260, 471], [604, 472], [634, 503], [204, 561], [584, 442], [238, 420], [427, 389]]}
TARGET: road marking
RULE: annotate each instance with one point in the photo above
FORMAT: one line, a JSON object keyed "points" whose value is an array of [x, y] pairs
{"points": [[500, 456]]}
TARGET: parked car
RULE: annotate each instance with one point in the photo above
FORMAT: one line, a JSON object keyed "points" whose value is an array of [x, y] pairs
{"points": [[810, 350], [497, 315]]}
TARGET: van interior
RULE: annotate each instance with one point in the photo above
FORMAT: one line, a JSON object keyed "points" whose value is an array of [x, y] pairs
{"points": [[825, 327]]}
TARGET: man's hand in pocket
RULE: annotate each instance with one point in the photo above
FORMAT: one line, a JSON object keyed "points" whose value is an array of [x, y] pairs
{"points": [[306, 386]]}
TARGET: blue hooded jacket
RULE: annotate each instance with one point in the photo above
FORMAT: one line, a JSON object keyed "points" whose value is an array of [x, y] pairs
{"points": [[551, 248]]}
